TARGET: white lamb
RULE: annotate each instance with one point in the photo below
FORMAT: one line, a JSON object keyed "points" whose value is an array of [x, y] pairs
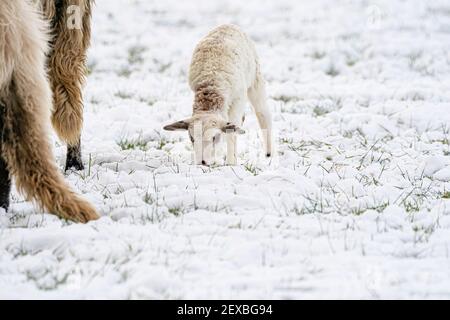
{"points": [[224, 72]]}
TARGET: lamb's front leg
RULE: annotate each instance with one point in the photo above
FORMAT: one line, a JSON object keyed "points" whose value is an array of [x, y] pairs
{"points": [[231, 149], [236, 116]]}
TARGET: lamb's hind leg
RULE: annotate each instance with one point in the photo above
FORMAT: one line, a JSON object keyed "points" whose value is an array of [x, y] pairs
{"points": [[5, 180], [258, 98]]}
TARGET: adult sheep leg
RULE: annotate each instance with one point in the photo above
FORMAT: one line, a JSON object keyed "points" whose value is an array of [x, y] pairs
{"points": [[27, 152], [67, 65], [5, 179], [26, 99]]}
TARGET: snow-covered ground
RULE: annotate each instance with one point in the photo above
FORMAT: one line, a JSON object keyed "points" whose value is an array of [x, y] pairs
{"points": [[356, 204]]}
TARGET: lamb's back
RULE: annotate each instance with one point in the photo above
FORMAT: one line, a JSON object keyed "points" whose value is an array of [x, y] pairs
{"points": [[225, 57]]}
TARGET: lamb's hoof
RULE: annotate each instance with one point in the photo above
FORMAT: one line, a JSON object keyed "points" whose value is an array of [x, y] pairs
{"points": [[268, 155]]}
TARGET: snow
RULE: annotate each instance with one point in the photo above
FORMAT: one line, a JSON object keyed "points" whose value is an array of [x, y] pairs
{"points": [[355, 205], [436, 164]]}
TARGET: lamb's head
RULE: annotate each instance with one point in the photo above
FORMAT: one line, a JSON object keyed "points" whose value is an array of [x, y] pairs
{"points": [[206, 132]]}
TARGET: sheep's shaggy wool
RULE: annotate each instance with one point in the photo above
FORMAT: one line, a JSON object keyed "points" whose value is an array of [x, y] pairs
{"points": [[26, 100], [224, 63], [70, 31]]}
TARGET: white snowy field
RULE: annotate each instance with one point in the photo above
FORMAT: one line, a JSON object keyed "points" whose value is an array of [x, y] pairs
{"points": [[355, 205]]}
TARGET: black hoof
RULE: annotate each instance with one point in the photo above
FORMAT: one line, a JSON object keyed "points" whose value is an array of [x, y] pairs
{"points": [[74, 164], [268, 155], [4, 203], [74, 161], [5, 185], [5, 189]]}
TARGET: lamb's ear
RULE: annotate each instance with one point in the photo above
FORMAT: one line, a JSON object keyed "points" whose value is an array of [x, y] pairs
{"points": [[178, 126], [232, 128]]}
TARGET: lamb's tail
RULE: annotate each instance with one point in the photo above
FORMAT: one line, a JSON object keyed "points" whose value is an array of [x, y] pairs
{"points": [[27, 100]]}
